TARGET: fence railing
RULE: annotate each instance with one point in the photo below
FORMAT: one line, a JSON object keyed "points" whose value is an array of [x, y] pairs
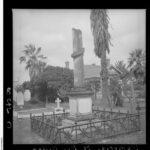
{"points": [[104, 124]]}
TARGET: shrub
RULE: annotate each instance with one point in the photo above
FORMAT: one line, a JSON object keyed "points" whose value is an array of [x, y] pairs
{"points": [[34, 100]]}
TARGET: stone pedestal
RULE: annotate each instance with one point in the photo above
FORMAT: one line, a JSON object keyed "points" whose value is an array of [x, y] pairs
{"points": [[80, 103], [80, 99]]}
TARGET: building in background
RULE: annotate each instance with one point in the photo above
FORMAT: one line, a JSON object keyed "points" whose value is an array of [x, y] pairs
{"points": [[92, 76], [67, 64]]}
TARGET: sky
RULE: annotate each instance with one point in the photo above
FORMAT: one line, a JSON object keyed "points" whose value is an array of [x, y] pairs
{"points": [[51, 29]]}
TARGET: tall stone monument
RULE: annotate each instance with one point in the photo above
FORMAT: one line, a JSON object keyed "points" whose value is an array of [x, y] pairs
{"points": [[80, 100], [77, 56]]}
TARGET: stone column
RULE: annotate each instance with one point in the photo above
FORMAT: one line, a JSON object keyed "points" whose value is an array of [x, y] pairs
{"points": [[80, 101], [77, 56]]}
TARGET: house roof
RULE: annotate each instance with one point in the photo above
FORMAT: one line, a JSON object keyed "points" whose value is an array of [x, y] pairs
{"points": [[93, 71]]}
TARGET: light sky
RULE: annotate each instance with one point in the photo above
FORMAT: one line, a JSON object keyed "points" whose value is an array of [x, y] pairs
{"points": [[51, 29]]}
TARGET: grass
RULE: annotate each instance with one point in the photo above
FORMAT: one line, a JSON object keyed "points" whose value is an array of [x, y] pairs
{"points": [[30, 105]]}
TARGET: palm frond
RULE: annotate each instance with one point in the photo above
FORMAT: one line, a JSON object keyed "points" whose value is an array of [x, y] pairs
{"points": [[38, 51], [33, 63], [120, 65], [32, 48], [27, 52], [99, 26], [42, 57], [28, 66], [22, 59]]}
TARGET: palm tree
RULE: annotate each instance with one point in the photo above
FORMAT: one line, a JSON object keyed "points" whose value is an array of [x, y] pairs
{"points": [[125, 75], [33, 60], [99, 25], [137, 63]]}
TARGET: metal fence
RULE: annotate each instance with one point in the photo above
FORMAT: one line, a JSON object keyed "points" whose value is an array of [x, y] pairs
{"points": [[104, 124]]}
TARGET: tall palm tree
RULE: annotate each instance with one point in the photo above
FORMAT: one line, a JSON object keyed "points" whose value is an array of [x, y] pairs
{"points": [[33, 60], [99, 25], [125, 75], [136, 63]]}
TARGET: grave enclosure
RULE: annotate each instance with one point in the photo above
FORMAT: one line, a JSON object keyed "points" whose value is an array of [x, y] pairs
{"points": [[84, 123], [104, 124]]}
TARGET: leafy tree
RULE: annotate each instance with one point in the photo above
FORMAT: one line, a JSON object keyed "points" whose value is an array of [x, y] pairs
{"points": [[19, 88], [33, 59], [26, 85], [99, 25], [136, 64], [54, 82]]}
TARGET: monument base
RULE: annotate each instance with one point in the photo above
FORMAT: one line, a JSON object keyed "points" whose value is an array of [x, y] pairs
{"points": [[80, 103], [80, 117], [84, 125]]}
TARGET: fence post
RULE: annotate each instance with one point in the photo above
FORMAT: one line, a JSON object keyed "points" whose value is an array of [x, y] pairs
{"points": [[104, 129], [64, 112], [119, 113], [76, 130], [111, 113], [104, 113], [90, 128], [54, 117], [59, 135], [42, 116], [138, 111], [119, 120], [128, 121], [31, 121]]}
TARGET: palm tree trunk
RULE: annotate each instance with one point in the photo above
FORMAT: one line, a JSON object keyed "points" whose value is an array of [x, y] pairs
{"points": [[133, 96], [132, 89], [104, 78]]}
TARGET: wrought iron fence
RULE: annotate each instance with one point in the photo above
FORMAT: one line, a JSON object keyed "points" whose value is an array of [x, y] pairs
{"points": [[104, 124], [81, 133], [108, 113]]}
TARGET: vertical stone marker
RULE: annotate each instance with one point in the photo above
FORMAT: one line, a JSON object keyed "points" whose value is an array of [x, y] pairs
{"points": [[14, 95], [58, 109], [27, 95], [20, 99], [77, 56], [80, 101], [58, 102]]}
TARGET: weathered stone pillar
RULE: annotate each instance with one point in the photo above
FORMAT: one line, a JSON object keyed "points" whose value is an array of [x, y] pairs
{"points": [[77, 56], [80, 99]]}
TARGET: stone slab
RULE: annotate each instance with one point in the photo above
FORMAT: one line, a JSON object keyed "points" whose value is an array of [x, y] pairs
{"points": [[81, 117], [27, 95], [20, 99], [83, 125]]}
